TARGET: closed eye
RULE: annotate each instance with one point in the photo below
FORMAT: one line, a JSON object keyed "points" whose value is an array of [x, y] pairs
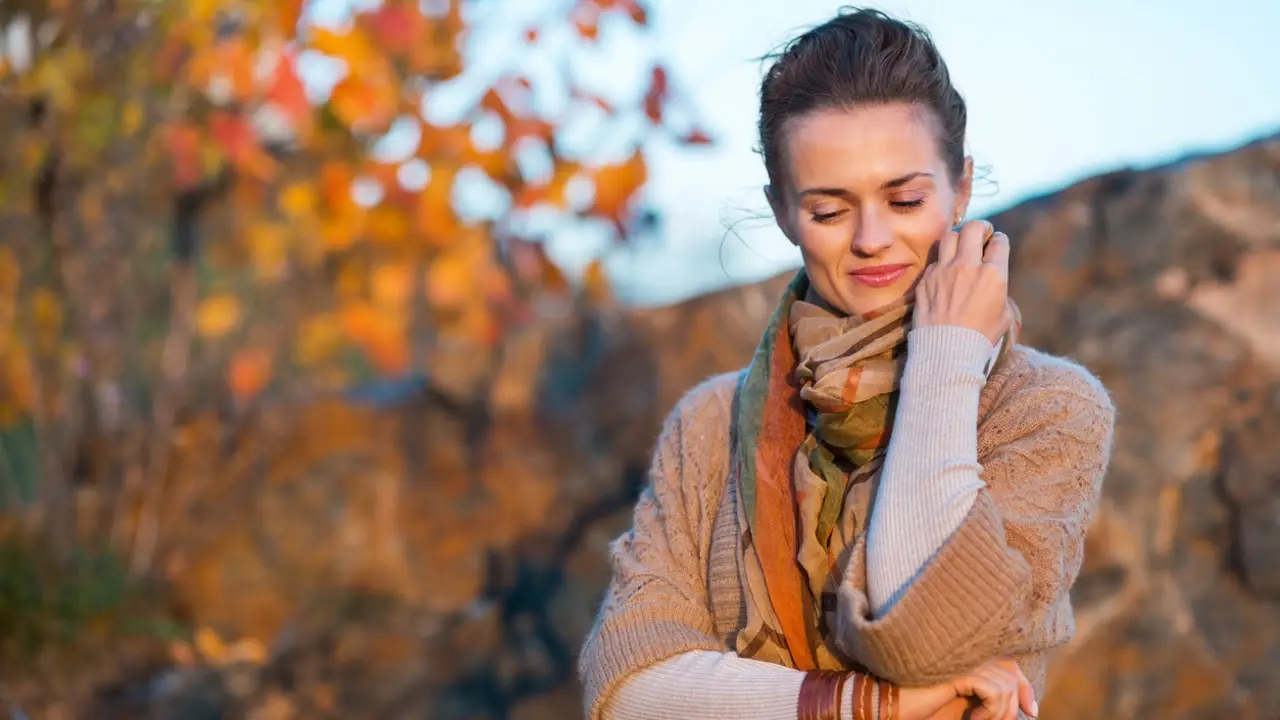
{"points": [[908, 203], [827, 218]]}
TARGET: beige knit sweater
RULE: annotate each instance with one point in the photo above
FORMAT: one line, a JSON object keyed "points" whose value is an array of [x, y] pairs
{"points": [[998, 587]]}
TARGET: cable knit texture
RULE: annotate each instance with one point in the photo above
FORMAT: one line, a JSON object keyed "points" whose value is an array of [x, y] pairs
{"points": [[998, 587]]}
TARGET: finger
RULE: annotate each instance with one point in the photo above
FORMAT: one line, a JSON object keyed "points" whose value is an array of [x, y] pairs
{"points": [[991, 691], [947, 247], [973, 236], [996, 254], [1027, 696], [1011, 708]]}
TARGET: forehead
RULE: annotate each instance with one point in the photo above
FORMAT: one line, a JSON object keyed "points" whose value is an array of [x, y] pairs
{"points": [[864, 146]]}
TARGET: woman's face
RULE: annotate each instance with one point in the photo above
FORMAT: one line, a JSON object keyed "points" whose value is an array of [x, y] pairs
{"points": [[868, 197]]}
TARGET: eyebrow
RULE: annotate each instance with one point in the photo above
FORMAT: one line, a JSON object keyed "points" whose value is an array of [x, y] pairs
{"points": [[889, 185]]}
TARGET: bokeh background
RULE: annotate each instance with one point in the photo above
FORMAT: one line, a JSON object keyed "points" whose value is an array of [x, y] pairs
{"points": [[335, 335]]}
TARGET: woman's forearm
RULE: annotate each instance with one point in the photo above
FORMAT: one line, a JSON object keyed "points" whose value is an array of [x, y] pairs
{"points": [[704, 685], [931, 472]]}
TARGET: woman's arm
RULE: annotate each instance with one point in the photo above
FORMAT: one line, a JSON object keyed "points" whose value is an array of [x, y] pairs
{"points": [[998, 586], [704, 685], [656, 606], [931, 472]]}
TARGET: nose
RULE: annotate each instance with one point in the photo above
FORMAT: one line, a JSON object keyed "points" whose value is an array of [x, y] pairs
{"points": [[873, 235]]}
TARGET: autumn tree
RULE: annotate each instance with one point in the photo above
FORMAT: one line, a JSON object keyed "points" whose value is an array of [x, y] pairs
{"points": [[212, 205]]}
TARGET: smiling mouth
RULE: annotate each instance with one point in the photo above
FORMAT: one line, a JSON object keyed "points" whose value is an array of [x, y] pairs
{"points": [[879, 276]]}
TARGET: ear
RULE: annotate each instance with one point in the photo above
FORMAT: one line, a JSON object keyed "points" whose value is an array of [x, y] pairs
{"points": [[780, 215], [964, 190]]}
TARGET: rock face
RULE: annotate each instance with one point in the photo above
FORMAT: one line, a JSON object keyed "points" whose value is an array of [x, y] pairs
{"points": [[444, 559]]}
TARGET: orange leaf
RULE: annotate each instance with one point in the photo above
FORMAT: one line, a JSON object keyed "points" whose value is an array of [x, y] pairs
{"points": [[182, 143], [450, 281], [389, 350], [616, 184], [594, 282], [359, 320], [336, 177], [10, 272], [249, 373], [233, 133], [387, 224], [287, 93], [288, 13], [392, 286], [352, 45], [586, 18], [588, 29], [436, 219], [396, 28], [695, 137], [636, 10], [383, 338], [596, 100], [364, 103], [217, 316], [657, 95]]}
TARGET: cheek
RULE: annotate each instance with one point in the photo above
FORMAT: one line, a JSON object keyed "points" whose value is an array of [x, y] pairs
{"points": [[822, 245], [924, 231]]}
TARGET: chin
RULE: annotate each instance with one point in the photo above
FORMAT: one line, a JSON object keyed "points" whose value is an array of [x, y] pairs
{"points": [[860, 299]]}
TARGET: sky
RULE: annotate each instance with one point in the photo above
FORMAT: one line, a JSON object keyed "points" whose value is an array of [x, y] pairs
{"points": [[1056, 92]]}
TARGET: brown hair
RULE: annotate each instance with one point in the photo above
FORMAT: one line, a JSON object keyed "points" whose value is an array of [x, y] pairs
{"points": [[859, 57]]}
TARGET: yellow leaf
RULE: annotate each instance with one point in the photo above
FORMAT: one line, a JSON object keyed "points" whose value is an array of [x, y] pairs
{"points": [[17, 383], [132, 120], [298, 200], [387, 224], [392, 285], [450, 281], [209, 645], [217, 316], [268, 245], [247, 650], [352, 281], [318, 338], [46, 311]]}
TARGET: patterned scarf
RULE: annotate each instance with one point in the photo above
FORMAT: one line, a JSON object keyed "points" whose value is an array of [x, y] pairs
{"points": [[815, 410]]}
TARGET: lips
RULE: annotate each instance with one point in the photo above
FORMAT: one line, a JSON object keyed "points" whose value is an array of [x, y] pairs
{"points": [[879, 275]]}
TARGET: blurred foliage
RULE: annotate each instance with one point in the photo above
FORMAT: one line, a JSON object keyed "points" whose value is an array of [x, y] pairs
{"points": [[193, 230], [52, 610]]}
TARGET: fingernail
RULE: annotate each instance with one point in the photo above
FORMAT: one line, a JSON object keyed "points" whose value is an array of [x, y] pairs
{"points": [[1035, 709]]}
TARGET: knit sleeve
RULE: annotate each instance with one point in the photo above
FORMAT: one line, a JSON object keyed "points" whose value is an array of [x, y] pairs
{"points": [[656, 605], [999, 585]]}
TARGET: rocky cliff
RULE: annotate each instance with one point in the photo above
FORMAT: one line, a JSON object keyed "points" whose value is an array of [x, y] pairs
{"points": [[444, 558]]}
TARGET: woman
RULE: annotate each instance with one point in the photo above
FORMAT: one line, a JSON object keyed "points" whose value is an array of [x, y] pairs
{"points": [[789, 559]]}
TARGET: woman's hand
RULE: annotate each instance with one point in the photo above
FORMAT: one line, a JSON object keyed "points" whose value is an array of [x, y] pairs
{"points": [[968, 285], [995, 691]]}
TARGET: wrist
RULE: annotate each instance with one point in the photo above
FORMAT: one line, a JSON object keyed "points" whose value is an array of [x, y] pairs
{"points": [[936, 702]]}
